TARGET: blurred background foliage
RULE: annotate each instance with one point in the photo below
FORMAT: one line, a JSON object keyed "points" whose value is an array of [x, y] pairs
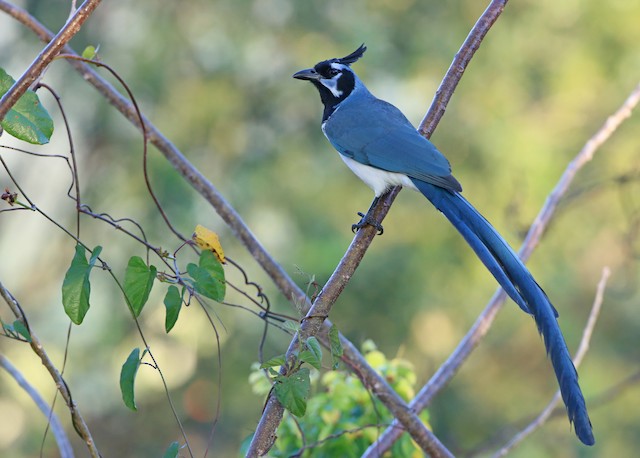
{"points": [[215, 77]]}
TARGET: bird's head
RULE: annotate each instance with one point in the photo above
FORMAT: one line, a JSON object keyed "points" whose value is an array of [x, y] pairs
{"points": [[333, 78]]}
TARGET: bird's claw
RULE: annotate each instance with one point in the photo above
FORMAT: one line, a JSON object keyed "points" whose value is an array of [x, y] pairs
{"points": [[366, 220]]}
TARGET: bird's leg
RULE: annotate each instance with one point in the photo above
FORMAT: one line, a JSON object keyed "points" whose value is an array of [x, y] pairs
{"points": [[368, 219]]}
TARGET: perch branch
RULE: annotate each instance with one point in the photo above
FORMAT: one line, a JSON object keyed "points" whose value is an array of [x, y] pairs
{"points": [[265, 433]]}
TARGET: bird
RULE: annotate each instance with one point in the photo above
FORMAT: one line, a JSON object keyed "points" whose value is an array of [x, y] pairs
{"points": [[381, 146]]}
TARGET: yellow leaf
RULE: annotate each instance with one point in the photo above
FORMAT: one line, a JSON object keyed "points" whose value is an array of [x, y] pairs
{"points": [[208, 240]]}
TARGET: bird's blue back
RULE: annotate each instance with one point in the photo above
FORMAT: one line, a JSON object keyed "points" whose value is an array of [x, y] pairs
{"points": [[374, 132]]}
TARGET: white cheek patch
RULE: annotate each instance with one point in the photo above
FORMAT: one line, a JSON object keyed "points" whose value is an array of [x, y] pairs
{"points": [[332, 85]]}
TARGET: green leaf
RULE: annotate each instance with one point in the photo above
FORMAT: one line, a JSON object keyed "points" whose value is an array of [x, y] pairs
{"points": [[291, 325], [21, 329], [336, 346], [138, 281], [208, 276], [276, 361], [15, 330], [314, 346], [89, 52], [173, 304], [313, 353], [292, 391], [172, 450], [27, 120], [128, 377], [76, 288]]}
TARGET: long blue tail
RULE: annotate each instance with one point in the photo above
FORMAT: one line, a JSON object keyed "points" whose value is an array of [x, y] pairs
{"points": [[520, 285]]}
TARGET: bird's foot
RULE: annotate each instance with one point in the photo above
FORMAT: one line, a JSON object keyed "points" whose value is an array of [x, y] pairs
{"points": [[366, 220]]}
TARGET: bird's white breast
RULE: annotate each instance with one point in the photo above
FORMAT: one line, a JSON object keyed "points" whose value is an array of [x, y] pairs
{"points": [[377, 179]]}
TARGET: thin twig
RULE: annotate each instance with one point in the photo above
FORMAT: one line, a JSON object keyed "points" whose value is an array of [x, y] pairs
{"points": [[64, 445], [39, 65], [579, 356], [484, 321], [78, 421], [459, 65]]}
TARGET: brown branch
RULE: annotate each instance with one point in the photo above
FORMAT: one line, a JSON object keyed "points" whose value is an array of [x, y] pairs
{"points": [[579, 356], [459, 65], [78, 421], [39, 65], [484, 321], [64, 445], [265, 433]]}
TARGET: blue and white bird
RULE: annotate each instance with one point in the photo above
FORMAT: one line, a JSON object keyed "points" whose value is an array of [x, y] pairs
{"points": [[384, 150]]}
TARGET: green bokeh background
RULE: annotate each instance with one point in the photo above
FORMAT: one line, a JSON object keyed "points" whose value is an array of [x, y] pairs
{"points": [[215, 77]]}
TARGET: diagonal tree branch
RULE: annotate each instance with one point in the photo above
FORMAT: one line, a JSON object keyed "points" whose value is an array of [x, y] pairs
{"points": [[484, 321], [64, 445], [265, 434], [272, 414], [39, 65], [459, 65], [78, 421]]}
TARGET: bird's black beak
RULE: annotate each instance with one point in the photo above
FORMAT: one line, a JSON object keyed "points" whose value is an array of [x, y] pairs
{"points": [[307, 74]]}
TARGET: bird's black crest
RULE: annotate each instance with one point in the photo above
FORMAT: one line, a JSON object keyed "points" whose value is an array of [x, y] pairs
{"points": [[354, 56]]}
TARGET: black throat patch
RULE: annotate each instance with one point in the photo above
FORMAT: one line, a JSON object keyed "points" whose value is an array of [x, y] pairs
{"points": [[333, 89]]}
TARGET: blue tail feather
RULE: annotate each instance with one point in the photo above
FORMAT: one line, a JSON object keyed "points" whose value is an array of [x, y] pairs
{"points": [[520, 285]]}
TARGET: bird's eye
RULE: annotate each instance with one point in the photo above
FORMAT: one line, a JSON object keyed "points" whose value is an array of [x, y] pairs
{"points": [[333, 72]]}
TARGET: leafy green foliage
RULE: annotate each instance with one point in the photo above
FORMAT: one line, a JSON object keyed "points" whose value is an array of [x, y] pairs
{"points": [[336, 346], [291, 325], [293, 390], [208, 276], [128, 377], [76, 287], [343, 404], [138, 281], [27, 120], [312, 354], [173, 304], [172, 450], [21, 329], [16, 330], [89, 52], [276, 361]]}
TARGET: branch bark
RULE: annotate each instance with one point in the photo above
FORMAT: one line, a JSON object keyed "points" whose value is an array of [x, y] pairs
{"points": [[39, 65], [459, 65], [64, 445], [78, 421]]}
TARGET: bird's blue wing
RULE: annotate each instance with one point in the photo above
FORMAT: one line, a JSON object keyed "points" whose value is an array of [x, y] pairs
{"points": [[382, 137]]}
